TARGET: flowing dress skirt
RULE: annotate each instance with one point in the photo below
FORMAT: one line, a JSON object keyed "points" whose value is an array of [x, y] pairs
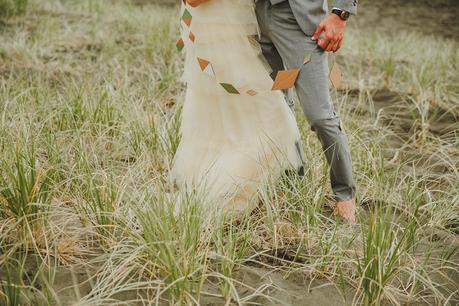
{"points": [[236, 133]]}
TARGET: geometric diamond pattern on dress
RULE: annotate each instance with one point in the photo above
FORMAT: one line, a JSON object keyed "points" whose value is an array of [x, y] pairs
{"points": [[192, 37], [285, 79], [180, 44], [186, 17], [230, 88], [206, 67]]}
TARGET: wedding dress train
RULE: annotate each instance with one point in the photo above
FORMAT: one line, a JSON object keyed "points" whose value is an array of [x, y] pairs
{"points": [[236, 133]]}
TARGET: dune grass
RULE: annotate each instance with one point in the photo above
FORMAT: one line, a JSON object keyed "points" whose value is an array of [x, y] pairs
{"points": [[12, 8], [90, 103]]}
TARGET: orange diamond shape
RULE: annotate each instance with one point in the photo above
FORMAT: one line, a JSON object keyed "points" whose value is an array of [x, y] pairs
{"points": [[252, 92], [285, 79], [180, 44], [192, 37], [203, 63]]}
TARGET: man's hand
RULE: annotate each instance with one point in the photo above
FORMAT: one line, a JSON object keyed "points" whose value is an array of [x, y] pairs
{"points": [[195, 3], [333, 26]]}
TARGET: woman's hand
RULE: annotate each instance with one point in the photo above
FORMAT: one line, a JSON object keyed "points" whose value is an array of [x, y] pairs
{"points": [[195, 3]]}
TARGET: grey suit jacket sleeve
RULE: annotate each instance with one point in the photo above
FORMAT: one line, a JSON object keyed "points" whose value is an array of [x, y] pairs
{"points": [[346, 5]]}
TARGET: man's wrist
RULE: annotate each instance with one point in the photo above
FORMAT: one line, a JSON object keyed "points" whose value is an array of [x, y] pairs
{"points": [[337, 19], [343, 14]]}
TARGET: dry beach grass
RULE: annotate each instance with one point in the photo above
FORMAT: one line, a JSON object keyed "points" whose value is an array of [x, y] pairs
{"points": [[90, 106]]}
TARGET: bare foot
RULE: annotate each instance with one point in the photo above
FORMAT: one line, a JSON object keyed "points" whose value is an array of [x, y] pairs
{"points": [[346, 210]]}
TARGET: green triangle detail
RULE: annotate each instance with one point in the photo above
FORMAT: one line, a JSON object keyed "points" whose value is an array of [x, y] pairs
{"points": [[186, 14], [180, 45], [230, 88]]}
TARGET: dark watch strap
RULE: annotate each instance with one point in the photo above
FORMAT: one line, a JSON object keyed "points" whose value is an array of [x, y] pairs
{"points": [[344, 15]]}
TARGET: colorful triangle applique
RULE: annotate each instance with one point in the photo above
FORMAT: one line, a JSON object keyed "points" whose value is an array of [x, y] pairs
{"points": [[203, 63], [206, 67], [192, 37], [186, 17], [209, 70], [180, 44], [230, 88], [285, 79]]}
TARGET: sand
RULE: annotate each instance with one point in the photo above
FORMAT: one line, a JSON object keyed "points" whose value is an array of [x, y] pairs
{"points": [[439, 19]]}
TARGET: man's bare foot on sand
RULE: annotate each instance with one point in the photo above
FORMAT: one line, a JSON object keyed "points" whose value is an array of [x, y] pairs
{"points": [[346, 210]]}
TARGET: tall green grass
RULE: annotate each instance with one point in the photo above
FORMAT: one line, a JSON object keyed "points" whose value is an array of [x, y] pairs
{"points": [[384, 246], [9, 8], [25, 189], [90, 111], [175, 245]]}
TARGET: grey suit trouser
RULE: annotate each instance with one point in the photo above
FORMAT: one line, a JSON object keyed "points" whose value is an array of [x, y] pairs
{"points": [[285, 45]]}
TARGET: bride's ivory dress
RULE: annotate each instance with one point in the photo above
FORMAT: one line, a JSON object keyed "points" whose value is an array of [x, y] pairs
{"points": [[231, 144]]}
